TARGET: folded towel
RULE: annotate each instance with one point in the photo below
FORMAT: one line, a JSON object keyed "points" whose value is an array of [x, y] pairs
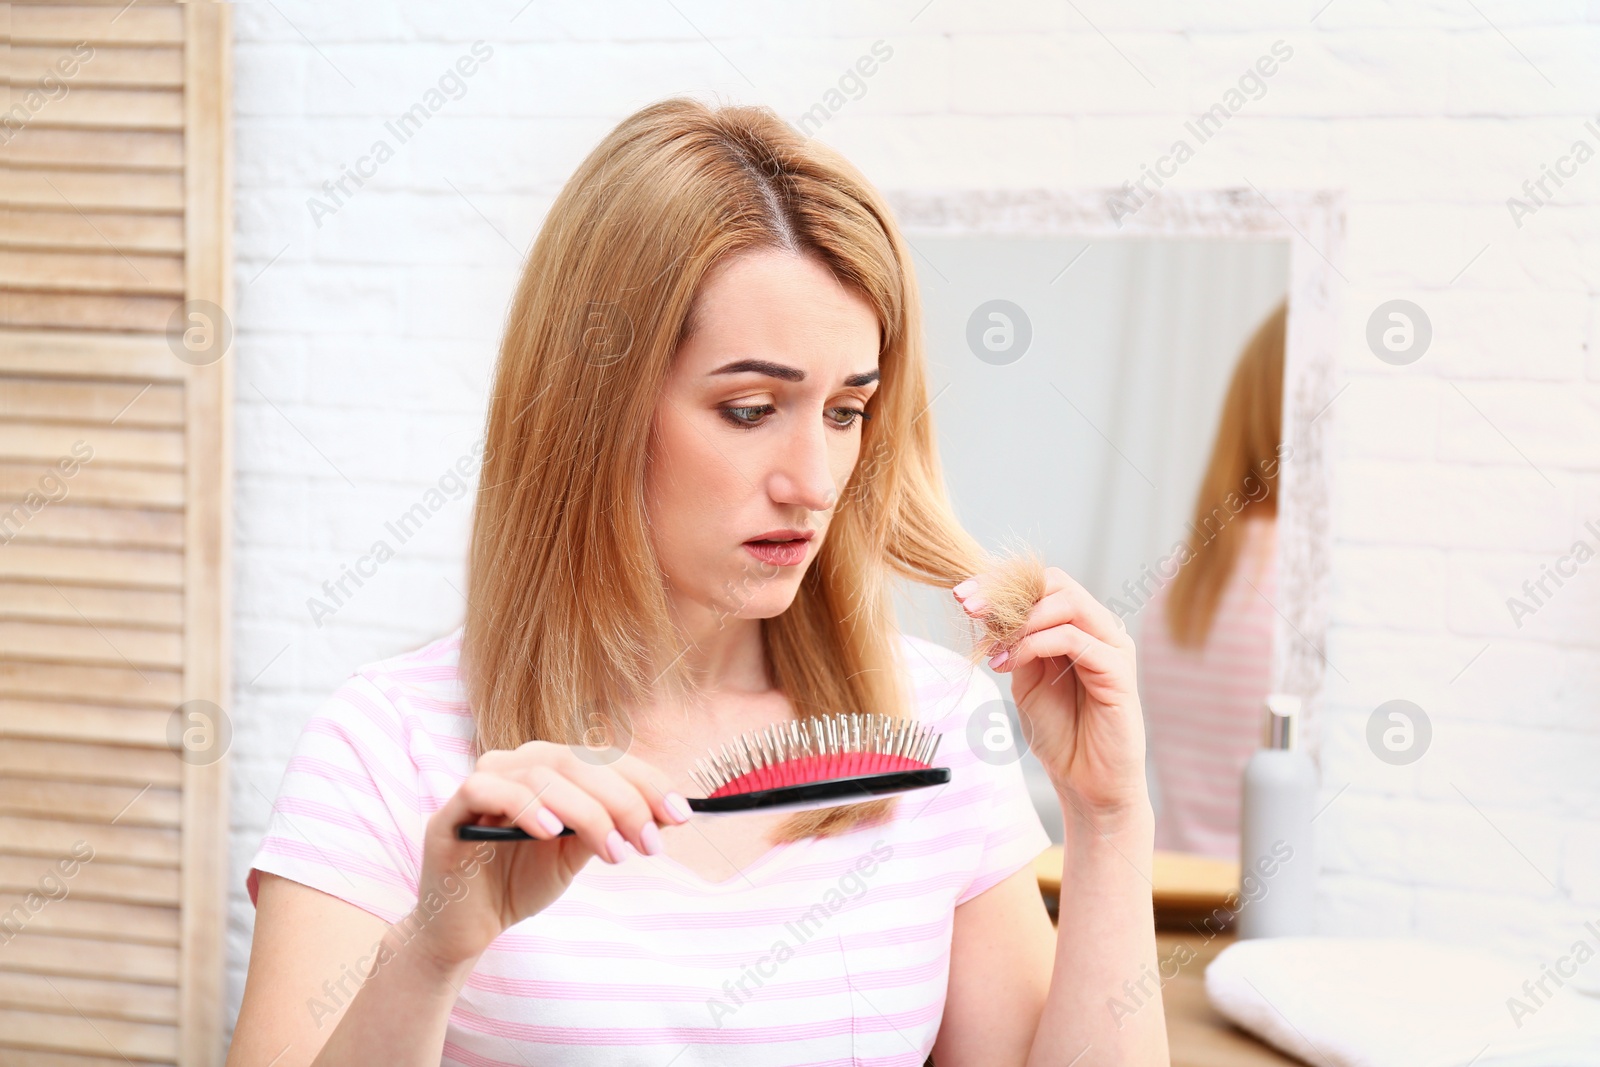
{"points": [[1392, 1002]]}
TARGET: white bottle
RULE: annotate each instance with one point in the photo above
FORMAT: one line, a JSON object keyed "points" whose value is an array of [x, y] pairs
{"points": [[1277, 870]]}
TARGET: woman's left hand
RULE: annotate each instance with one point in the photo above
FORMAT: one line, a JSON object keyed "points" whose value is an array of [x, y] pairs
{"points": [[1075, 683]]}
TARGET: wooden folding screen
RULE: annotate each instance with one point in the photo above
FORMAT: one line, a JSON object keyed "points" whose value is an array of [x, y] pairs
{"points": [[114, 496]]}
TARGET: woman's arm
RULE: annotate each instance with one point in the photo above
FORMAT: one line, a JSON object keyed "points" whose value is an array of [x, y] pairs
{"points": [[1000, 955], [1073, 676], [305, 993], [1104, 1005], [1007, 1006]]}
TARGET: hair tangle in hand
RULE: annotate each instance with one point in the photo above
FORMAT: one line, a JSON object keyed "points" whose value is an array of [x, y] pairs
{"points": [[1011, 584]]}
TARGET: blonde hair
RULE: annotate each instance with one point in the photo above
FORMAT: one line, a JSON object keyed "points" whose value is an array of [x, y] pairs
{"points": [[1243, 467], [567, 625]]}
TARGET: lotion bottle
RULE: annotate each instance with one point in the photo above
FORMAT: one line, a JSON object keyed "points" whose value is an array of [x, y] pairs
{"points": [[1277, 869]]}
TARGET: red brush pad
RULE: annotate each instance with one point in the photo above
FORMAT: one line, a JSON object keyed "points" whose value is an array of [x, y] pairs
{"points": [[818, 769]]}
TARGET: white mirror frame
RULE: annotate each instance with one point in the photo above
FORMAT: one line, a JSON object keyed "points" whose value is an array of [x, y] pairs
{"points": [[1313, 224]]}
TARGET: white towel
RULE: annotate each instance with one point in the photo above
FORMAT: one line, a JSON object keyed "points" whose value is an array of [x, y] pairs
{"points": [[1369, 1002]]}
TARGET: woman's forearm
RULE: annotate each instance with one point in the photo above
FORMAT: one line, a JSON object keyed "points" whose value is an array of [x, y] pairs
{"points": [[1104, 1004], [400, 1014]]}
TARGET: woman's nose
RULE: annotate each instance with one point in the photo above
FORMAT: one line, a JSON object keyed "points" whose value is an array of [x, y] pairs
{"points": [[803, 474]]}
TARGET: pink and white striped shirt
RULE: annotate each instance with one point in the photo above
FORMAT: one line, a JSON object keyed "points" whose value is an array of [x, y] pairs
{"points": [[823, 951], [1204, 705]]}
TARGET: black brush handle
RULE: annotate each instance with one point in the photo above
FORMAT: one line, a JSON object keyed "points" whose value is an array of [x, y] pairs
{"points": [[802, 795]]}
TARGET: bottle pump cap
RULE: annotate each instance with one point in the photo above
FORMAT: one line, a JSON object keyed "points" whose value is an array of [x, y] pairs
{"points": [[1282, 721]]}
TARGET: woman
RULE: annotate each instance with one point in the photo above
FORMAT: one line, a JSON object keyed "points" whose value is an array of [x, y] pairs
{"points": [[715, 346], [1206, 667]]}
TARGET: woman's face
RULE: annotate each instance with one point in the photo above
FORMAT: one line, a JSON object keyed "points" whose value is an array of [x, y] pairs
{"points": [[756, 433]]}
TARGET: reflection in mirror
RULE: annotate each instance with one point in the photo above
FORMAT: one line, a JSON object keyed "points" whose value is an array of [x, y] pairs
{"points": [[1094, 398]]}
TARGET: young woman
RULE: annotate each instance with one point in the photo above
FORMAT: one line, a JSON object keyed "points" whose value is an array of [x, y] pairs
{"points": [[708, 449], [1206, 668]]}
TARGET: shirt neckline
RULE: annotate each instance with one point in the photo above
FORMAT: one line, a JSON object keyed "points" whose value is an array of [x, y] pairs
{"points": [[740, 880]]}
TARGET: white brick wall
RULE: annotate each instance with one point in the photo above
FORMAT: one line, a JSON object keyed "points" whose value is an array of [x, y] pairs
{"points": [[365, 344]]}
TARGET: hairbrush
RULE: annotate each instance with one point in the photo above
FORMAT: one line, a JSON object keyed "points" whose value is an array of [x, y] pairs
{"points": [[824, 761]]}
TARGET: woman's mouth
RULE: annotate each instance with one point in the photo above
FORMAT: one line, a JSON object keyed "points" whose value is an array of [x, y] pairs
{"points": [[782, 552]]}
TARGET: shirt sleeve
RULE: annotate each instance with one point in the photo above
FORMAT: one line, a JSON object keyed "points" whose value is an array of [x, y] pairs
{"points": [[347, 819], [1014, 833]]}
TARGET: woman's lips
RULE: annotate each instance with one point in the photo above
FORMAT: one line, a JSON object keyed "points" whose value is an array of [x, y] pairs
{"points": [[781, 553]]}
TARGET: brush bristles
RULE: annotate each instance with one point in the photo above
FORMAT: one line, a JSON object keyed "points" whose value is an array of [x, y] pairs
{"points": [[816, 748]]}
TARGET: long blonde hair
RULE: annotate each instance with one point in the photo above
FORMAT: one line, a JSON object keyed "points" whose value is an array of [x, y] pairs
{"points": [[567, 624], [1243, 467]]}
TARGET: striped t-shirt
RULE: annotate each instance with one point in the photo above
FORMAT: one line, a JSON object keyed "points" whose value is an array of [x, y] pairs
{"points": [[828, 950]]}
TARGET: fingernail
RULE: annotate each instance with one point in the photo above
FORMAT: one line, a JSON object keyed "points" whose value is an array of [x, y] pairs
{"points": [[998, 660], [651, 838], [616, 846], [974, 604], [548, 819], [965, 589], [679, 806]]}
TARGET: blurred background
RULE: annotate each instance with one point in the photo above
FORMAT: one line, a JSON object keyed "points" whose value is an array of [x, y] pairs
{"points": [[255, 264]]}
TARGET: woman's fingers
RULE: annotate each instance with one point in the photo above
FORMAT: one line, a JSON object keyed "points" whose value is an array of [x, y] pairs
{"points": [[668, 806], [623, 788], [1096, 661], [487, 794], [1065, 600], [589, 816]]}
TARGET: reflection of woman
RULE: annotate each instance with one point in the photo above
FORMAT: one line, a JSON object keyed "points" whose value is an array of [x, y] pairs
{"points": [[685, 525], [1205, 646]]}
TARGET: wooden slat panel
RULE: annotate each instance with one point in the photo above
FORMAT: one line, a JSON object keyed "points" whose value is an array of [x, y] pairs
{"points": [[94, 997], [102, 1037], [129, 568], [66, 523], [123, 67], [112, 445], [108, 271], [41, 146], [129, 806], [131, 404], [147, 687], [69, 917], [134, 190], [127, 607], [69, 24], [73, 311], [91, 485], [99, 879], [27, 758], [138, 357], [119, 109], [86, 643], [52, 838], [105, 231], [83, 722]]}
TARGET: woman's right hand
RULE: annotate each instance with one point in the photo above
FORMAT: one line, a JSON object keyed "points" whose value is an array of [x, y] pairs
{"points": [[480, 888]]}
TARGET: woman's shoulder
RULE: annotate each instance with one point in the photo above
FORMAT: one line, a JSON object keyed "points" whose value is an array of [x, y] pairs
{"points": [[401, 695]]}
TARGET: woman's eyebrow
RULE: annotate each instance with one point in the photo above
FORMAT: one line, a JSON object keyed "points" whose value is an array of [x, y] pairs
{"points": [[787, 373]]}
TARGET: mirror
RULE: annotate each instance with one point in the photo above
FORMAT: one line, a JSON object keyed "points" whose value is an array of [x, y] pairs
{"points": [[1088, 395]]}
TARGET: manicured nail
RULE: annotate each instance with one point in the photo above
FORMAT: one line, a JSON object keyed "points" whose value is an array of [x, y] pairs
{"points": [[998, 660], [679, 806], [974, 604], [548, 819], [651, 838], [616, 846], [966, 588]]}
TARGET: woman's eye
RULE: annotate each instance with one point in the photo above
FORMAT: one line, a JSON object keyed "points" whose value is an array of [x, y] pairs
{"points": [[850, 416], [753, 414], [747, 416]]}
